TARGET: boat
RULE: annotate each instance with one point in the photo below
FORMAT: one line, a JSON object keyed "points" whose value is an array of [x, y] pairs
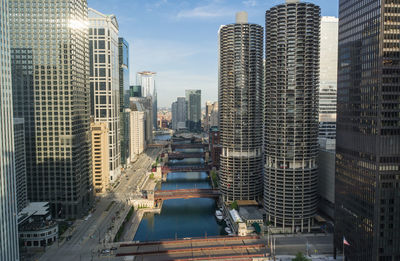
{"points": [[218, 215], [228, 230]]}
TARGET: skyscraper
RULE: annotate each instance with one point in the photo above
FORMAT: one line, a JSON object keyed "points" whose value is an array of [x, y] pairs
{"points": [[193, 101], [367, 203], [147, 80], [240, 103], [20, 163], [179, 113], [328, 77], [104, 82], [50, 69], [8, 203], [135, 91], [100, 148], [123, 58], [155, 109], [291, 114]]}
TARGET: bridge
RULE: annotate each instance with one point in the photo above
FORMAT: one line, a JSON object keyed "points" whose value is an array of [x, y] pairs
{"points": [[183, 155], [185, 194], [189, 146], [185, 168]]}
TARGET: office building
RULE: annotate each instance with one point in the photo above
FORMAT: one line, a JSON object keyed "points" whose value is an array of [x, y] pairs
{"points": [[328, 77], [147, 80], [291, 115], [123, 58], [193, 101], [146, 106], [155, 109], [8, 203], [367, 196], [211, 115], [50, 74], [137, 133], [104, 82], [20, 163], [326, 177], [240, 99], [135, 91], [100, 162], [179, 113]]}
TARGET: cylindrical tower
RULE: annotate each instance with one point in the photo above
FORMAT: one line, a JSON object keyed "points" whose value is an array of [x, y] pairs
{"points": [[291, 114], [240, 100]]}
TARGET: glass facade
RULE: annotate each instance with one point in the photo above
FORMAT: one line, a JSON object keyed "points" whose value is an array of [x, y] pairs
{"points": [[240, 99], [193, 109], [50, 74], [123, 57], [291, 115], [368, 130], [8, 199]]}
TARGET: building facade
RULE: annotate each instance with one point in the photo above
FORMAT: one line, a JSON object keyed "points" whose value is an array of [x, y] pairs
{"points": [[137, 131], [211, 116], [135, 91], [179, 113], [291, 115], [328, 77], [20, 163], [100, 162], [147, 80], [50, 68], [215, 147], [193, 101], [8, 203], [240, 101], [367, 202], [145, 105], [104, 82], [123, 58]]}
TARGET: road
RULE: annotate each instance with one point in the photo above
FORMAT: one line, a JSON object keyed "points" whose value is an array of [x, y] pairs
{"points": [[92, 232], [292, 244]]}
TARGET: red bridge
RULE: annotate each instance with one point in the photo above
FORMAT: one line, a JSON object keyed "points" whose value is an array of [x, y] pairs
{"points": [[186, 193], [181, 155]]}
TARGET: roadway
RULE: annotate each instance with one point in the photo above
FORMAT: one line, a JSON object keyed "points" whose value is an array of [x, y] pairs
{"points": [[292, 244], [91, 233]]}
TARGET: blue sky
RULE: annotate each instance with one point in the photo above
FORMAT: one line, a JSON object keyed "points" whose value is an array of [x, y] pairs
{"points": [[178, 38]]}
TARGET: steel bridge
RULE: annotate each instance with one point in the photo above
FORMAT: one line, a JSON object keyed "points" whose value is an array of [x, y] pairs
{"points": [[186, 194], [183, 155], [189, 146], [183, 168]]}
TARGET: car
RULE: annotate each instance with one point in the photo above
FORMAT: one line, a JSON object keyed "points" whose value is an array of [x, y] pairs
{"points": [[105, 251], [113, 248]]}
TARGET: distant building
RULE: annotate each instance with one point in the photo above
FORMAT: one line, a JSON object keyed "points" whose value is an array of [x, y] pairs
{"points": [[179, 113], [36, 228], [193, 101], [100, 162], [137, 131], [328, 77], [146, 106], [211, 116], [123, 58], [135, 91], [20, 163], [147, 80], [104, 82]]}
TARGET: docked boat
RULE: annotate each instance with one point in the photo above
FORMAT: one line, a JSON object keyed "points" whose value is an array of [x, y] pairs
{"points": [[228, 230], [218, 215]]}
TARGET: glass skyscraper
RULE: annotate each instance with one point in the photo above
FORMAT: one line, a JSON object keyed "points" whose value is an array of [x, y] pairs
{"points": [[123, 57], [240, 99], [8, 199], [367, 200], [193, 109], [50, 69], [291, 115]]}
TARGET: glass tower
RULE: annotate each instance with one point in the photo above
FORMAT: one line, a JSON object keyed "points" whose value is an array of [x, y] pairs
{"points": [[367, 197], [193, 101], [8, 199], [241, 78], [50, 69], [291, 115]]}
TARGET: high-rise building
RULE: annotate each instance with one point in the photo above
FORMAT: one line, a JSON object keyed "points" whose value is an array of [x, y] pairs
{"points": [[135, 91], [50, 69], [146, 79], [155, 110], [291, 115], [8, 202], [193, 101], [146, 107], [20, 163], [179, 113], [100, 162], [211, 115], [123, 58], [104, 82], [367, 196], [328, 77], [240, 99], [137, 133]]}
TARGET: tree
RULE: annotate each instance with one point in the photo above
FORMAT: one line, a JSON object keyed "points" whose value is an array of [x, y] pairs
{"points": [[300, 257], [234, 205]]}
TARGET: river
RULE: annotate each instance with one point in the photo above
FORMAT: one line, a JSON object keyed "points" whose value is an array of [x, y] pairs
{"points": [[182, 218]]}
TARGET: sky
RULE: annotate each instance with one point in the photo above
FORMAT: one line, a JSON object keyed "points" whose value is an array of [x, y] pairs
{"points": [[178, 38]]}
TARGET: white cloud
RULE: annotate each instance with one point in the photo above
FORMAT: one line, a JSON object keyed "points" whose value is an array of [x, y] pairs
{"points": [[211, 10], [251, 3]]}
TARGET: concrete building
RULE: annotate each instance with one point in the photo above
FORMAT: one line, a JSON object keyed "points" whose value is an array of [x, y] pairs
{"points": [[155, 109], [50, 69], [147, 108], [291, 115], [20, 163], [328, 77], [123, 58], [240, 99], [326, 177], [193, 101], [215, 146], [104, 82], [36, 228], [211, 116], [179, 113], [137, 137], [367, 184], [100, 162], [8, 203]]}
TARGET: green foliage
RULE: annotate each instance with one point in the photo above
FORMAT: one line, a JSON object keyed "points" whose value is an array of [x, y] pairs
{"points": [[234, 205], [151, 176], [300, 257], [214, 178]]}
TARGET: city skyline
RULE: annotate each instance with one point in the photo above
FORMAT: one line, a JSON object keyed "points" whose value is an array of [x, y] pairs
{"points": [[170, 37]]}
